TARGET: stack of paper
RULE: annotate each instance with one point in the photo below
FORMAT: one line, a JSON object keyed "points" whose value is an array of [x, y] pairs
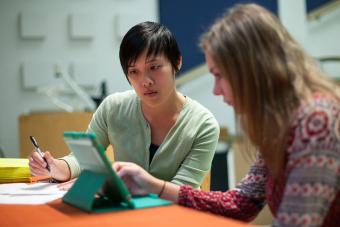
{"points": [[14, 170], [37, 193]]}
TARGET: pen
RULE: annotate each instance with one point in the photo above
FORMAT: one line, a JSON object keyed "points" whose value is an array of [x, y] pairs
{"points": [[37, 149]]}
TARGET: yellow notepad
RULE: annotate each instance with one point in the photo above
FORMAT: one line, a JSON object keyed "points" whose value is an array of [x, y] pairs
{"points": [[14, 170]]}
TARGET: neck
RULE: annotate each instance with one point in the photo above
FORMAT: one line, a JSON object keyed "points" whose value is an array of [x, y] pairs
{"points": [[170, 107]]}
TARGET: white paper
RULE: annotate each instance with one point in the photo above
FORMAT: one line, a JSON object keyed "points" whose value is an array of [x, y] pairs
{"points": [[37, 193]]}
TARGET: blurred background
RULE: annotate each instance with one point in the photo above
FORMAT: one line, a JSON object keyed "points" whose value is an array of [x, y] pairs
{"points": [[45, 43], [59, 59]]}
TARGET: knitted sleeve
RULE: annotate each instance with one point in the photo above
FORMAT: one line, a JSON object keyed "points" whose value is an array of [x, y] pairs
{"points": [[243, 203], [313, 182]]}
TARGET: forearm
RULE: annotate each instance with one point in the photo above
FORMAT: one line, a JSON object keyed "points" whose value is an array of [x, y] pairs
{"points": [[170, 192], [243, 202], [165, 190], [231, 203]]}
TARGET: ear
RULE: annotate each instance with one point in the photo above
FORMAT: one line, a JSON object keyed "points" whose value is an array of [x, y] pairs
{"points": [[179, 63]]}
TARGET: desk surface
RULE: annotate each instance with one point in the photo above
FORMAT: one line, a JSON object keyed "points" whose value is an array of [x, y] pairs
{"points": [[58, 213]]}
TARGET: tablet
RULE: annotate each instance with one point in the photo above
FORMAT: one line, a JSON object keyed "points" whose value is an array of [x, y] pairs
{"points": [[91, 156]]}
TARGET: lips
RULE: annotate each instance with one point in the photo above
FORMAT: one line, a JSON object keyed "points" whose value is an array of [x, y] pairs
{"points": [[150, 93]]}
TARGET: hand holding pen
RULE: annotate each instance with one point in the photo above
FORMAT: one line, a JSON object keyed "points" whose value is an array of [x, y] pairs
{"points": [[44, 164], [38, 150]]}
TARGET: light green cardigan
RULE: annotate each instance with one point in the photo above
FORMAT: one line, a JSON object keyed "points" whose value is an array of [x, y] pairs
{"points": [[186, 153]]}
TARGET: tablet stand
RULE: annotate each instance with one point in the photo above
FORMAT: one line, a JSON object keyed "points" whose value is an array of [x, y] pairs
{"points": [[87, 194]]}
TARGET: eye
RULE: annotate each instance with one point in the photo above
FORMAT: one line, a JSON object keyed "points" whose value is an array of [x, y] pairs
{"points": [[155, 67], [132, 72]]}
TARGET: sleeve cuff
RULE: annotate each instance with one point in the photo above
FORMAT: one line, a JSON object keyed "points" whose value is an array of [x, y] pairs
{"points": [[183, 195], [73, 165]]}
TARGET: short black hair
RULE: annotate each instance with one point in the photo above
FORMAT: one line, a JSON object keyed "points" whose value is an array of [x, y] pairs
{"points": [[153, 37]]}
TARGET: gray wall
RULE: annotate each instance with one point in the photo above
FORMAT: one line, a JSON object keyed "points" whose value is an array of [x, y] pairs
{"points": [[96, 41], [98, 44]]}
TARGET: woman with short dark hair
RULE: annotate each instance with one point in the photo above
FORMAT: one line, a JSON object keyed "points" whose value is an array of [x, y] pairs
{"points": [[170, 135]]}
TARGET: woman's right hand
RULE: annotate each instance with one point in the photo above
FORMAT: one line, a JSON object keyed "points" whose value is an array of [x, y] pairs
{"points": [[136, 179], [58, 168]]}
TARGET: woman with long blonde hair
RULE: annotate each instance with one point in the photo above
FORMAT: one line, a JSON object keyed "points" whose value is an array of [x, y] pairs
{"points": [[289, 113]]}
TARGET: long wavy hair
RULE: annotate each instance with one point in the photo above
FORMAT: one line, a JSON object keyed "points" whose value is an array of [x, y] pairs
{"points": [[269, 73]]}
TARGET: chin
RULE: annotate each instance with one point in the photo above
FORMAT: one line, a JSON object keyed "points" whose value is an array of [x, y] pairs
{"points": [[229, 103]]}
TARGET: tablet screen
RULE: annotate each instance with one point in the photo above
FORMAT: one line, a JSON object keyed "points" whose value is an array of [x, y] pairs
{"points": [[86, 155]]}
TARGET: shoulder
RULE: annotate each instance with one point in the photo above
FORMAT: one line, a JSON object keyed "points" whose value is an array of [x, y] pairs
{"points": [[316, 126], [198, 112], [120, 97], [118, 100], [199, 120]]}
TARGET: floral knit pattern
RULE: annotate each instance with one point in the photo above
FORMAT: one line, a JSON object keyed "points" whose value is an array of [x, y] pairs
{"points": [[309, 192]]}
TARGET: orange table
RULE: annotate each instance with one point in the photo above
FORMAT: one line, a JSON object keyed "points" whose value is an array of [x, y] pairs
{"points": [[58, 213]]}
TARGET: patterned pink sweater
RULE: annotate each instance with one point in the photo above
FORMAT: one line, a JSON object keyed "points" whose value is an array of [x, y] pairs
{"points": [[309, 192]]}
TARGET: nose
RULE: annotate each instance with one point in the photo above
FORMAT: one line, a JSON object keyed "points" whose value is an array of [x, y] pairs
{"points": [[216, 89], [147, 81]]}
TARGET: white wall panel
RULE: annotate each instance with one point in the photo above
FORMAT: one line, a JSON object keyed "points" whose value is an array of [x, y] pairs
{"points": [[81, 26], [33, 25], [36, 34], [37, 74]]}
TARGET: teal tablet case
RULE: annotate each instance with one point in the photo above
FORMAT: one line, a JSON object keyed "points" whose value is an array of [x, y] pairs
{"points": [[102, 191]]}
